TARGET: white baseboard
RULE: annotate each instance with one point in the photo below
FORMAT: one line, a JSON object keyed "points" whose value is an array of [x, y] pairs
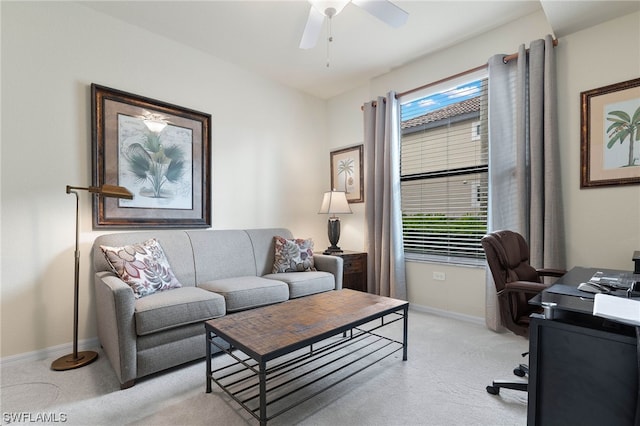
{"points": [[50, 352], [447, 314]]}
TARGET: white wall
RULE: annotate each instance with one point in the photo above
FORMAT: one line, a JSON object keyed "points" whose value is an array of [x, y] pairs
{"points": [[266, 141], [602, 225]]}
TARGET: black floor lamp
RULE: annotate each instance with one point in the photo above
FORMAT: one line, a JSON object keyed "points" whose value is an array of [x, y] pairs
{"points": [[334, 202], [80, 359]]}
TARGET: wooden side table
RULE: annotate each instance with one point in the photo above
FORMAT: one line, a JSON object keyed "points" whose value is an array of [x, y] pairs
{"points": [[354, 273]]}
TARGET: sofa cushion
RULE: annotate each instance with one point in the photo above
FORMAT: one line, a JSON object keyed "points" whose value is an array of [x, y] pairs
{"points": [[305, 283], [175, 308], [264, 247], [248, 292], [143, 266], [221, 254], [293, 255]]}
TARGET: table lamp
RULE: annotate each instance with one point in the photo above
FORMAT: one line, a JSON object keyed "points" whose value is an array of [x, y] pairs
{"points": [[334, 202], [80, 359]]}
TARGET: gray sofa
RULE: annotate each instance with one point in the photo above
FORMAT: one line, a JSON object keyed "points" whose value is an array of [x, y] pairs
{"points": [[221, 272]]}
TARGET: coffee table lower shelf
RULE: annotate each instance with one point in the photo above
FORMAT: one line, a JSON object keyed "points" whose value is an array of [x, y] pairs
{"points": [[269, 389]]}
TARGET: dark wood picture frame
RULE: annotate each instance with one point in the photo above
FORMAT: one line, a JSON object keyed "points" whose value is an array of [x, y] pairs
{"points": [[609, 142], [347, 172], [167, 170]]}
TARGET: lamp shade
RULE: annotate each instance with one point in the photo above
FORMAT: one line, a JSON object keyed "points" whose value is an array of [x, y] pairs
{"points": [[115, 192], [105, 190], [335, 202]]}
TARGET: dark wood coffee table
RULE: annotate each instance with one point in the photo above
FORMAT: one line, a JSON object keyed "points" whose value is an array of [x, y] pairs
{"points": [[343, 324]]}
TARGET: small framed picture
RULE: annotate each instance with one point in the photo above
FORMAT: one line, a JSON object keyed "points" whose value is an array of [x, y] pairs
{"points": [[610, 135], [347, 172], [158, 151]]}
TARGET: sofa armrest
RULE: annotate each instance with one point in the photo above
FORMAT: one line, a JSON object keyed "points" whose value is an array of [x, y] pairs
{"points": [[333, 264], [115, 307]]}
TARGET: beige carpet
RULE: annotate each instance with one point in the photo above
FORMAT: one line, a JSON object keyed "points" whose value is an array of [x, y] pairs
{"points": [[442, 383]]}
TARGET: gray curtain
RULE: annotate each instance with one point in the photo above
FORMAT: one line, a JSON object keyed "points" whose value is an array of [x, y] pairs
{"points": [[524, 163], [383, 235]]}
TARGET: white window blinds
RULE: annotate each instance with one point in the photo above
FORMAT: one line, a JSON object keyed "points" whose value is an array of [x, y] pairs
{"points": [[444, 164]]}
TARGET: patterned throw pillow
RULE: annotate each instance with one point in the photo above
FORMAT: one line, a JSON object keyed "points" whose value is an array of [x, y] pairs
{"points": [[143, 266], [293, 255]]}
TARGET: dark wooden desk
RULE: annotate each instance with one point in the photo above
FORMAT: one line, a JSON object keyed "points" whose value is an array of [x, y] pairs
{"points": [[565, 291], [583, 369]]}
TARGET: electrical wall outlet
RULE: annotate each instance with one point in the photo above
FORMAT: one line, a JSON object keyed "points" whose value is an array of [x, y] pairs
{"points": [[439, 276]]}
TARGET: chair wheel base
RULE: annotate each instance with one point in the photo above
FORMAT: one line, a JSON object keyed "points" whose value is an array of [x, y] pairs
{"points": [[519, 372], [493, 390]]}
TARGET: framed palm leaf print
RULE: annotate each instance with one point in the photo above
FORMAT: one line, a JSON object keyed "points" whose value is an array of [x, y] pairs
{"points": [[347, 172], [610, 135], [160, 152]]}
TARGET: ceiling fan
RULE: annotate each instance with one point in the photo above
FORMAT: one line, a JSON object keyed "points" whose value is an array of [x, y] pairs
{"points": [[384, 10]]}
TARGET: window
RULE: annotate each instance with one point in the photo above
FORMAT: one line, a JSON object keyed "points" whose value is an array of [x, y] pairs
{"points": [[444, 173]]}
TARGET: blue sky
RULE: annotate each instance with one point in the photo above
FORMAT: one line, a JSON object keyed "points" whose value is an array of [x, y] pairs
{"points": [[441, 99]]}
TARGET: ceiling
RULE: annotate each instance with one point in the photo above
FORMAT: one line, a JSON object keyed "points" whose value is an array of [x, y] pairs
{"points": [[263, 36]]}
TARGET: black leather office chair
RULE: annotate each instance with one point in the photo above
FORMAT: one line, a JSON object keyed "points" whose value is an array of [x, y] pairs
{"points": [[516, 283]]}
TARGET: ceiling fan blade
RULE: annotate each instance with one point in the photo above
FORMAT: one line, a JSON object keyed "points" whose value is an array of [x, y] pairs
{"points": [[312, 29], [384, 10]]}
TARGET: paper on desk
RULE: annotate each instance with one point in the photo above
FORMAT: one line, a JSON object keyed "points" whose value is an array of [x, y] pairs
{"points": [[617, 308]]}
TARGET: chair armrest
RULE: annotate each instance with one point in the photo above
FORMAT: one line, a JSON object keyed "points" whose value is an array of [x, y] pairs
{"points": [[328, 263], [551, 272], [524, 286], [115, 307]]}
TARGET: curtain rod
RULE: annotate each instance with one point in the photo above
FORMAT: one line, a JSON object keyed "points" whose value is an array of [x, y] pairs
{"points": [[451, 77], [425, 86], [433, 83], [515, 55], [505, 59]]}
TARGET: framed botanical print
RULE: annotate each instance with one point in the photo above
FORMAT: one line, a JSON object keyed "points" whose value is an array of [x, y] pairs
{"points": [[347, 172], [160, 152], [610, 135]]}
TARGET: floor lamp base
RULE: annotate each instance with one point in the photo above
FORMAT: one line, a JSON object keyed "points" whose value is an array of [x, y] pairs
{"points": [[69, 362]]}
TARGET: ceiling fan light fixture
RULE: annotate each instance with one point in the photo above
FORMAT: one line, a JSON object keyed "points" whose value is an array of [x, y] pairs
{"points": [[329, 8], [384, 10]]}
